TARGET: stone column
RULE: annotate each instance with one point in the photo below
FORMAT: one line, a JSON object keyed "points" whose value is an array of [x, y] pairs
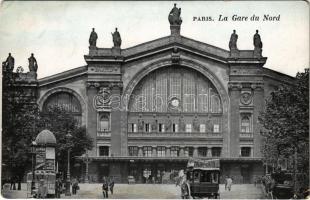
{"points": [[195, 152], [234, 93], [258, 107]]}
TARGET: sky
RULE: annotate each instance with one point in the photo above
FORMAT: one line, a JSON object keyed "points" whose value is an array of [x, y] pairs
{"points": [[57, 32]]}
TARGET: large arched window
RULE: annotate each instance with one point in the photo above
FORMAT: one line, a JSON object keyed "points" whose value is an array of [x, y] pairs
{"points": [[66, 101], [177, 89]]}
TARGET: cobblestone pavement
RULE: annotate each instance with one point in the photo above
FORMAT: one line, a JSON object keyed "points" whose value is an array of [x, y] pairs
{"points": [[148, 191]]}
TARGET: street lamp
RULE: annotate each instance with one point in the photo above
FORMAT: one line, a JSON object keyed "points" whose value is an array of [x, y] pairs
{"points": [[33, 152], [86, 161], [68, 137]]}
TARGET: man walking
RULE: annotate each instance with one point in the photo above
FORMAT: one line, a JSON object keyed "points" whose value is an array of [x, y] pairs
{"points": [[105, 188], [229, 183], [111, 185]]}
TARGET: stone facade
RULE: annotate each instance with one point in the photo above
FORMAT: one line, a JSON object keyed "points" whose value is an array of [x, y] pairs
{"points": [[154, 143]]}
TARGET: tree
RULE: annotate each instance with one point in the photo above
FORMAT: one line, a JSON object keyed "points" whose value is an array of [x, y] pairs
{"points": [[286, 123], [20, 114], [60, 122]]}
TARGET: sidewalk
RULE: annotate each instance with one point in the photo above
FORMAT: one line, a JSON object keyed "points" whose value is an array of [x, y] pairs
{"points": [[149, 191]]}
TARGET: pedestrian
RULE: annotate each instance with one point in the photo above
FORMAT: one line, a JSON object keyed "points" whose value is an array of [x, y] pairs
{"points": [[111, 185], [74, 185], [12, 180], [105, 188], [185, 189], [42, 190], [229, 183], [225, 181]]}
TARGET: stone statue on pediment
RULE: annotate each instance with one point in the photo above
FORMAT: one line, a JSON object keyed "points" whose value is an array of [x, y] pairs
{"points": [[93, 38], [257, 41], [33, 65], [175, 16], [8, 64], [116, 38], [233, 41]]}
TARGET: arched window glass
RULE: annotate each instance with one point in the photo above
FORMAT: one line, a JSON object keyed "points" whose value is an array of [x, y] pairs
{"points": [[175, 88], [66, 101], [215, 104], [104, 122], [245, 124]]}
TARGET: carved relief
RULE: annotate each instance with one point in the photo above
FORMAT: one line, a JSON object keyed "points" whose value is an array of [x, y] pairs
{"points": [[175, 56], [246, 98], [102, 99], [104, 69]]}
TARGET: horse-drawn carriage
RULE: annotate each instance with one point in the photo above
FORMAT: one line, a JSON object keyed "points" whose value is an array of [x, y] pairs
{"points": [[279, 185], [202, 179]]}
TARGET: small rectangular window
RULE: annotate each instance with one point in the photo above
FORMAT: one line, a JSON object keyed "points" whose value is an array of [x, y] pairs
{"points": [[161, 128], [202, 128], [147, 128], [216, 128], [175, 128], [133, 151], [245, 151], [188, 151], [103, 151], [135, 128], [174, 151], [147, 151], [161, 151], [188, 128], [216, 151]]}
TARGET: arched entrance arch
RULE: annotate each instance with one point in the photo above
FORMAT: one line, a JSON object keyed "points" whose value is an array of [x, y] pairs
{"points": [[54, 91], [184, 63]]}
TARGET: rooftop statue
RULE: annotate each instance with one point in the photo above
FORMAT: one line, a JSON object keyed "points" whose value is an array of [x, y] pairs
{"points": [[8, 65], [116, 38], [93, 38], [175, 16], [33, 65], [233, 40], [257, 41]]}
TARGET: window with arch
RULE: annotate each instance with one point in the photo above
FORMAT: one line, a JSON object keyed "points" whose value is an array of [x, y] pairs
{"points": [[65, 101], [175, 88], [246, 124], [104, 122]]}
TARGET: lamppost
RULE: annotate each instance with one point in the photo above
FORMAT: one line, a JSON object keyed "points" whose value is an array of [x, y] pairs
{"points": [[68, 193], [33, 152], [86, 161]]}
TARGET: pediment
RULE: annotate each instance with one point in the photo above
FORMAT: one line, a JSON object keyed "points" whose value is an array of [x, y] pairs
{"points": [[158, 46]]}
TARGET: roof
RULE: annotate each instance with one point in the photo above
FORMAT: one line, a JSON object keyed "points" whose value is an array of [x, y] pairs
{"points": [[46, 137]]}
